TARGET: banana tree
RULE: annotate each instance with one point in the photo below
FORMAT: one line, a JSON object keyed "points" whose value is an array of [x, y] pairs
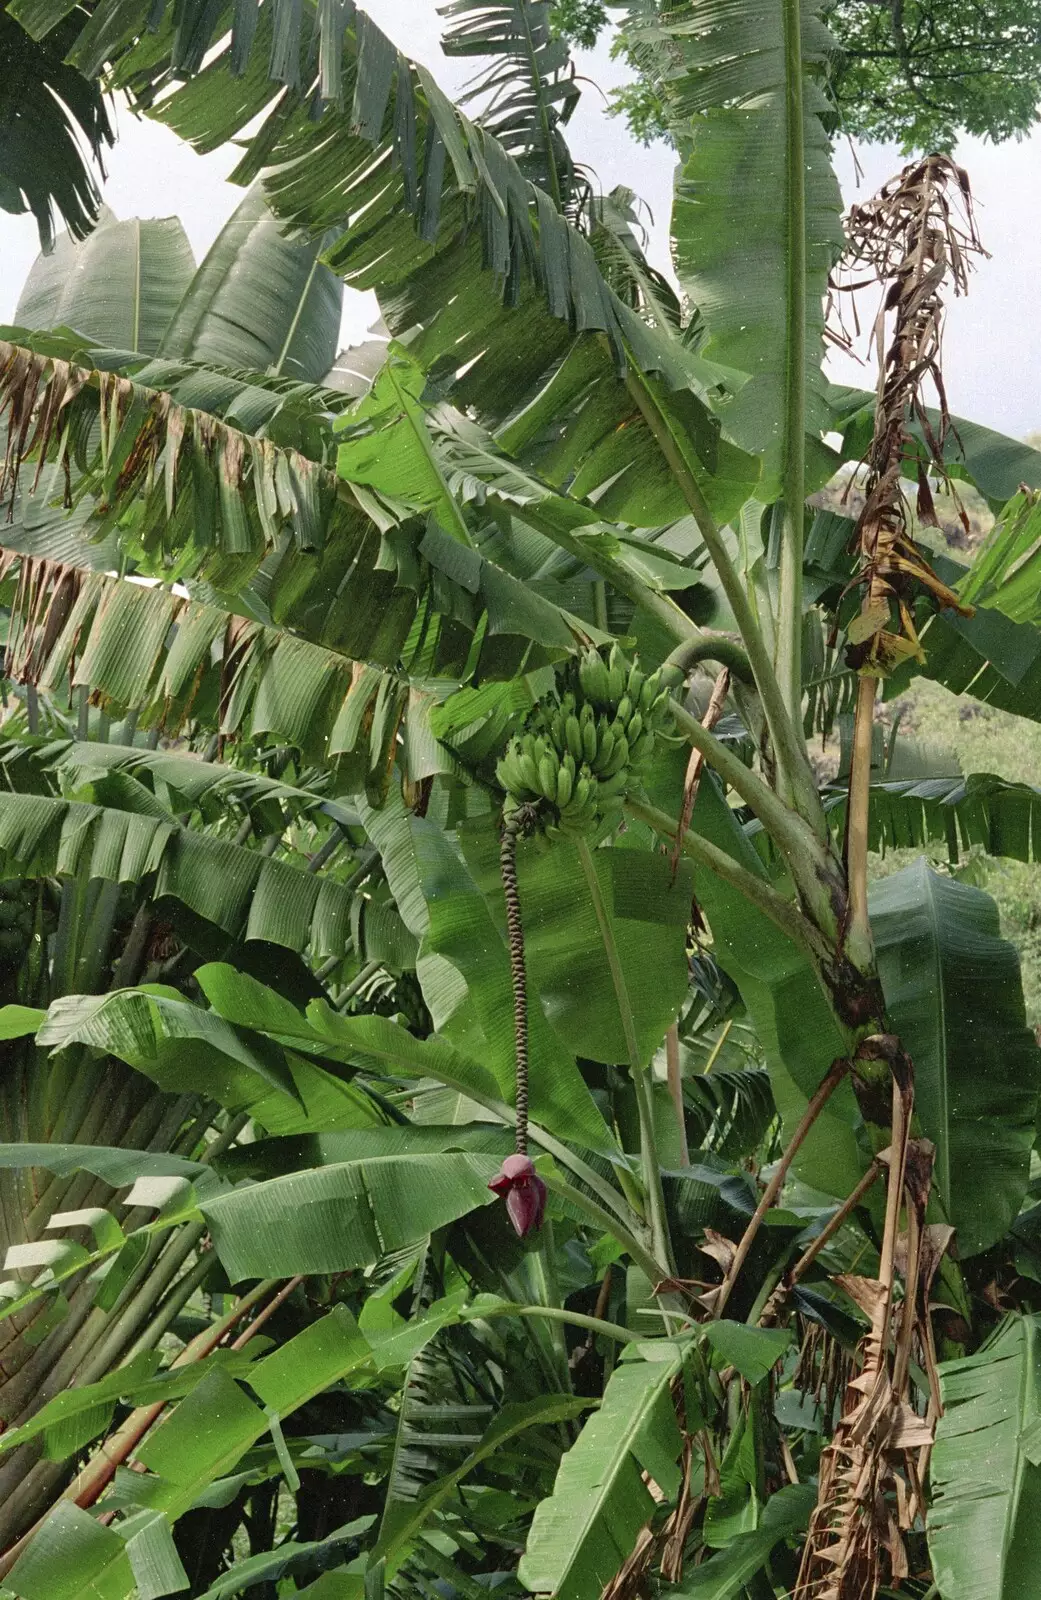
{"points": [[418, 595]]}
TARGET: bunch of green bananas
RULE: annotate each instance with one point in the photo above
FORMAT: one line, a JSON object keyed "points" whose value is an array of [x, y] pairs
{"points": [[576, 757]]}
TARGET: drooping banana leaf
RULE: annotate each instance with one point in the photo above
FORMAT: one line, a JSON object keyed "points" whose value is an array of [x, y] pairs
{"points": [[986, 1470], [247, 894], [119, 287], [50, 113], [525, 90], [953, 990], [1004, 819]]}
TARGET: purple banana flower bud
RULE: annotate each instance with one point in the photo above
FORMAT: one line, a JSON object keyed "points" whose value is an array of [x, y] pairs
{"points": [[524, 1192]]}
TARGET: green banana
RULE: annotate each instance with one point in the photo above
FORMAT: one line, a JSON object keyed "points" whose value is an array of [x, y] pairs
{"points": [[616, 673], [528, 766], [573, 736], [619, 757], [641, 749], [548, 770], [611, 787], [649, 692], [634, 729], [565, 785], [624, 710], [594, 678], [589, 739], [604, 749], [635, 684]]}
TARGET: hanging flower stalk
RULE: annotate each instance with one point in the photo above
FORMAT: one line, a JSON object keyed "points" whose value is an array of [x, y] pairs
{"points": [[517, 1181]]}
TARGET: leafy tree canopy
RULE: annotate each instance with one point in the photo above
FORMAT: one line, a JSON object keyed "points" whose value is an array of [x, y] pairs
{"points": [[920, 74]]}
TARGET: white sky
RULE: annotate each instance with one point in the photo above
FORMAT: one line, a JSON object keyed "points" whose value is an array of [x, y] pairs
{"points": [[993, 345]]}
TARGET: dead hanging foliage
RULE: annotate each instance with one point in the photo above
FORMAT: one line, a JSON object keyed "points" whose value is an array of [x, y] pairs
{"points": [[871, 1474], [916, 239], [194, 481]]}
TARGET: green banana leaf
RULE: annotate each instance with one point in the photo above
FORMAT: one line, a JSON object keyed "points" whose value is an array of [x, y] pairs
{"points": [[247, 894], [954, 994], [986, 1470], [259, 300], [647, 915], [979, 809], [468, 991], [581, 1535], [732, 109], [203, 1438], [119, 286], [724, 1575], [350, 1214], [996, 464], [1004, 572]]}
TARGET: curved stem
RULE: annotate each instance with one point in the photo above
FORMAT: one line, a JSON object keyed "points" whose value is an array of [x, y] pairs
{"points": [[783, 913], [785, 734], [575, 1319]]}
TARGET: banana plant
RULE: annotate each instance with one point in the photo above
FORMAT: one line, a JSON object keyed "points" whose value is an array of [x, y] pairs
{"points": [[420, 596]]}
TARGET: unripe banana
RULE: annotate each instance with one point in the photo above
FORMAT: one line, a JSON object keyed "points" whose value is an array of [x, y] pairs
{"points": [[529, 771], [604, 749], [573, 735], [583, 790], [594, 678], [649, 692], [660, 708], [635, 728], [641, 749], [635, 683], [548, 771], [611, 787], [619, 757], [625, 710], [616, 674], [509, 774], [587, 716], [565, 784], [589, 740]]}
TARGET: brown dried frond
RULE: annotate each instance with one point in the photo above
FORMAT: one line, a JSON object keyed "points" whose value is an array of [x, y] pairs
{"points": [[916, 239], [871, 1473]]}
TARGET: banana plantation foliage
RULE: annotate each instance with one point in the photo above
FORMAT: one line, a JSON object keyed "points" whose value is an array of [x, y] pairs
{"points": [[473, 1118]]}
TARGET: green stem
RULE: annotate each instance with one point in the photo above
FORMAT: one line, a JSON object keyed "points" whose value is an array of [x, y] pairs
{"points": [[789, 745], [576, 1319], [641, 1078], [652, 1168], [789, 621], [783, 913], [654, 1269], [172, 1306], [673, 620]]}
